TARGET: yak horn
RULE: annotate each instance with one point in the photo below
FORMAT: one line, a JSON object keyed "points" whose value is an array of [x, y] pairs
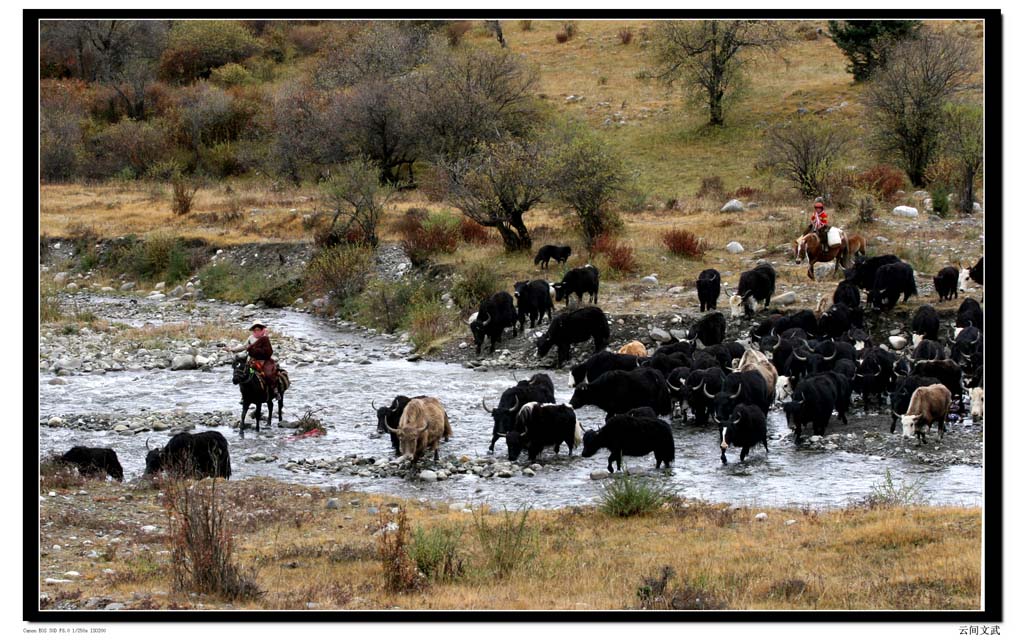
{"points": [[739, 390], [483, 402], [513, 409], [705, 387], [388, 427], [147, 445], [835, 350], [373, 405], [671, 387], [797, 356], [488, 321]]}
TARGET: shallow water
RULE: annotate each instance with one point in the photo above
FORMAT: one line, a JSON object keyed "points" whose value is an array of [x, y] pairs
{"points": [[342, 393]]}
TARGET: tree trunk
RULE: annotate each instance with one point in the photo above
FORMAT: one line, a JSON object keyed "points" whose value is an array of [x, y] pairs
{"points": [[715, 107], [513, 239], [967, 193], [525, 242]]}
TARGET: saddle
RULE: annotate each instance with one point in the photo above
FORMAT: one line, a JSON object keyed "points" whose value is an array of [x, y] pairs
{"points": [[271, 375]]}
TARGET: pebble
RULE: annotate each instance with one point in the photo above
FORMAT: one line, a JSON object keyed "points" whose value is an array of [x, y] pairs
{"points": [[790, 522], [761, 516], [428, 476], [333, 503], [599, 475]]}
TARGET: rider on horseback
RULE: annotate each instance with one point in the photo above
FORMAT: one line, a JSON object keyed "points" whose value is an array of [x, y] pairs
{"points": [[819, 224], [260, 351]]}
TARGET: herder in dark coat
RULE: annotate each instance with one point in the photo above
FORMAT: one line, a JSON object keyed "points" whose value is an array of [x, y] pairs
{"points": [[260, 351]]}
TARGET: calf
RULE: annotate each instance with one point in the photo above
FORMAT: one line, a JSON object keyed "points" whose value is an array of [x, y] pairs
{"points": [[539, 388], [571, 328], [929, 405], [94, 461], [543, 425], [534, 300], [632, 435], [946, 283], [198, 455], [495, 315], [754, 361], [746, 427], [709, 330], [709, 287], [757, 285], [620, 391], [977, 403], [634, 348], [424, 422], [552, 252], [814, 400], [976, 273], [600, 363], [892, 281], [970, 315], [899, 399], [925, 324], [848, 293], [864, 270], [391, 416], [580, 280]]}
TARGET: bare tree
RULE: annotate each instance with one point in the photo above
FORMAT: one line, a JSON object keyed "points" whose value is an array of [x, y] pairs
{"points": [[203, 108], [297, 122], [805, 152], [380, 51], [964, 141], [465, 98], [905, 97], [497, 185], [357, 198], [708, 55]]}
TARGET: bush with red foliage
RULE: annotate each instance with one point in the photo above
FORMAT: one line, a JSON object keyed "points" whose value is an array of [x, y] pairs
{"points": [[622, 258], [603, 243], [683, 243], [883, 179], [473, 232], [562, 37]]}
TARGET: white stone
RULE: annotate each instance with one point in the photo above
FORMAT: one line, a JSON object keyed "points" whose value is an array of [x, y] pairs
{"points": [[897, 342], [599, 475], [906, 212], [128, 286], [149, 528], [159, 286], [675, 291], [786, 298], [734, 247], [457, 506], [183, 362], [790, 522], [761, 516], [649, 280], [732, 206], [661, 335], [428, 475]]}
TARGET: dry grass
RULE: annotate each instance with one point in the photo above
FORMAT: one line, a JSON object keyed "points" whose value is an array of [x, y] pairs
{"points": [[907, 557]]}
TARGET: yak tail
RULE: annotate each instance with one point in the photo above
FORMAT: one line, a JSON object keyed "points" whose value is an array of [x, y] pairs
{"points": [[578, 435], [447, 428]]}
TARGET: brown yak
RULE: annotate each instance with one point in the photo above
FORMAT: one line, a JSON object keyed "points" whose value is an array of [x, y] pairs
{"points": [[421, 428], [634, 348], [809, 246], [928, 405]]}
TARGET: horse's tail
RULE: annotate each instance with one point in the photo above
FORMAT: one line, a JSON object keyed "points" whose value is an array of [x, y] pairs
{"points": [[283, 381]]}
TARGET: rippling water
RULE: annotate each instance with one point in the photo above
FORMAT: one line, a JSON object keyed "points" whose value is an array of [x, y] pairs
{"points": [[785, 476]]}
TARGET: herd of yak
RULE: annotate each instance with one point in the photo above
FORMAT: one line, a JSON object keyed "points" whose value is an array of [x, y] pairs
{"points": [[808, 362]]}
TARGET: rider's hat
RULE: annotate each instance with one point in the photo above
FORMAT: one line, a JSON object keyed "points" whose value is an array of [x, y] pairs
{"points": [[258, 323]]}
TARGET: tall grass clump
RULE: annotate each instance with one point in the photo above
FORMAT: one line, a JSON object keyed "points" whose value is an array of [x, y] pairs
{"points": [[625, 497], [49, 305], [397, 566], [473, 285], [202, 542], [681, 242], [887, 493], [436, 552], [339, 272], [424, 235], [386, 305], [508, 544], [620, 257], [883, 179], [183, 195], [428, 322]]}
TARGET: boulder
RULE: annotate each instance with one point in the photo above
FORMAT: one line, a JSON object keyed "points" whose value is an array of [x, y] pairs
{"points": [[651, 280], [128, 286], [60, 278], [72, 286], [676, 291], [977, 207], [906, 212], [660, 335], [428, 476], [734, 247], [599, 475], [897, 342], [786, 298], [921, 195], [732, 206], [176, 291], [159, 286], [183, 362]]}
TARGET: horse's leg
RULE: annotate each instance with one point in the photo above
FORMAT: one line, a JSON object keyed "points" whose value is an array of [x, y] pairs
{"points": [[270, 409], [810, 269], [280, 407], [245, 409]]}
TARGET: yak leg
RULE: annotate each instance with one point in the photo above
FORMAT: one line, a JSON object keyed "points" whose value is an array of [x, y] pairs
{"points": [[743, 453], [494, 439], [724, 461], [765, 441], [270, 410]]}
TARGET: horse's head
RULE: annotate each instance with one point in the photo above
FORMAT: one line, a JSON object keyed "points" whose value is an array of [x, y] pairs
{"points": [[240, 371], [800, 249]]}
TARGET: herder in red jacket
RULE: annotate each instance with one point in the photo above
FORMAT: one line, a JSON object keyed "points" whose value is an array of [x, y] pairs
{"points": [[260, 351], [819, 223]]}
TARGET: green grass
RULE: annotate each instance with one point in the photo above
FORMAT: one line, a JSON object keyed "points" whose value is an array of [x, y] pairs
{"points": [[626, 496]]}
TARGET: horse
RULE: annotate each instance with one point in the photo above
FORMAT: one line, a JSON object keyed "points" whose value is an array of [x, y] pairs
{"points": [[254, 391], [809, 245]]}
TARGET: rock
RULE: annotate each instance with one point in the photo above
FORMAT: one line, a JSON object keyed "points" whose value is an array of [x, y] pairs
{"points": [[897, 342], [882, 239], [651, 280], [787, 298], [183, 362], [128, 286], [156, 295], [920, 195], [675, 291], [599, 475], [457, 506], [732, 206], [529, 473], [55, 421], [789, 522], [906, 212], [60, 278], [661, 335], [977, 207], [72, 287], [149, 528], [504, 473], [333, 503], [815, 439], [114, 606], [734, 247], [202, 361], [176, 291], [761, 516], [428, 476], [159, 286], [824, 270]]}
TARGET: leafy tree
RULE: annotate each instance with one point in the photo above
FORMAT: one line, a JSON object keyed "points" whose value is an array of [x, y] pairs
{"points": [[905, 98], [864, 41], [204, 112], [586, 176], [196, 47], [497, 185], [964, 142], [707, 56], [805, 152], [297, 122], [381, 51], [357, 198]]}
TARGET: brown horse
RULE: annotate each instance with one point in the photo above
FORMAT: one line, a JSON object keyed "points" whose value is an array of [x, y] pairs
{"points": [[809, 246]]}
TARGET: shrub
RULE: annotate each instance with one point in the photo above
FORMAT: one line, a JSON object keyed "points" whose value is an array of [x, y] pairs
{"points": [[805, 151], [196, 47], [883, 179], [683, 243], [622, 258], [426, 234], [711, 187], [655, 594], [339, 272], [231, 75], [603, 243], [436, 552], [562, 37], [392, 550], [866, 207], [54, 473], [526, 25], [183, 195], [940, 200], [357, 199], [475, 284], [428, 322], [129, 145], [509, 544], [625, 497], [570, 28], [202, 543], [886, 493], [454, 31], [473, 232], [625, 35], [385, 305]]}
